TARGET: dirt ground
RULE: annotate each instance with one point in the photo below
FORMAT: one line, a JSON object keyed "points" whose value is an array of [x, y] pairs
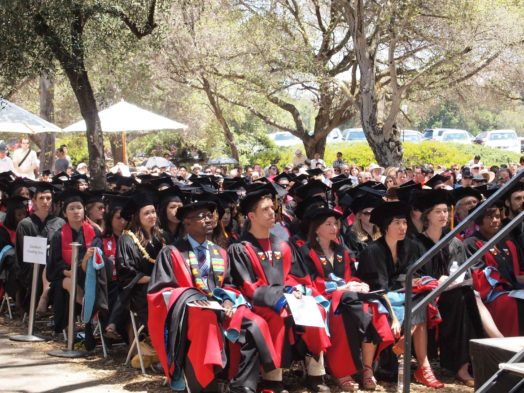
{"points": [[112, 372]]}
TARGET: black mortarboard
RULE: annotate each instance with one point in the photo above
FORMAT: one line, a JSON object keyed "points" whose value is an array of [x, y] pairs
{"points": [[315, 172], [126, 181], [41, 187], [172, 193], [280, 191], [70, 195], [60, 178], [336, 186], [94, 196], [425, 199], [340, 177], [198, 201], [159, 182], [404, 191], [436, 180], [7, 176], [16, 202], [320, 213], [365, 202], [289, 176], [11, 187], [207, 183], [462, 192], [136, 202], [313, 187], [77, 177], [516, 188], [254, 195], [387, 211], [310, 203], [115, 201], [234, 183], [228, 198]]}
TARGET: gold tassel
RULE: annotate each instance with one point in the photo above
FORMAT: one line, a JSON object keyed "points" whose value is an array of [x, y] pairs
{"points": [[452, 217], [223, 229]]}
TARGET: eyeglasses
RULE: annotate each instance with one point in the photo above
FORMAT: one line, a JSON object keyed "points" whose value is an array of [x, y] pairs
{"points": [[202, 216]]}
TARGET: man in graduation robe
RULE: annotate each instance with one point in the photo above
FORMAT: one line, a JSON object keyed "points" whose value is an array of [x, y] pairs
{"points": [[260, 268], [41, 223], [190, 340]]}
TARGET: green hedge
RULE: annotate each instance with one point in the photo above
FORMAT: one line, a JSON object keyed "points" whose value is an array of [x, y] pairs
{"points": [[436, 153]]}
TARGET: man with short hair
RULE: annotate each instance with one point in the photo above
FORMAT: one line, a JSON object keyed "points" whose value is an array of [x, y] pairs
{"points": [[261, 268], [61, 162], [514, 204], [6, 164], [339, 161], [192, 274], [25, 160], [41, 223], [466, 180]]}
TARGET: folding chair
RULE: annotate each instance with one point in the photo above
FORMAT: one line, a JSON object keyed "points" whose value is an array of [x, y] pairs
{"points": [[98, 329], [7, 301], [136, 343]]}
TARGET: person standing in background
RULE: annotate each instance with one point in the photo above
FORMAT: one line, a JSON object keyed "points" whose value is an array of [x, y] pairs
{"points": [[6, 164], [25, 160]]}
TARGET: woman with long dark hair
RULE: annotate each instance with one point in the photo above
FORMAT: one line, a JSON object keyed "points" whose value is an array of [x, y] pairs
{"points": [[357, 328], [137, 249], [170, 202], [383, 264]]}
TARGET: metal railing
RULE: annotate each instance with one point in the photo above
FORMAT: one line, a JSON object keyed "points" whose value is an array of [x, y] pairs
{"points": [[410, 310]]}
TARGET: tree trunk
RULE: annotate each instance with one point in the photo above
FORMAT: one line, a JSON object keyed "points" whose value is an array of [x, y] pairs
{"points": [[81, 85], [117, 151], [217, 110], [47, 111], [314, 145]]}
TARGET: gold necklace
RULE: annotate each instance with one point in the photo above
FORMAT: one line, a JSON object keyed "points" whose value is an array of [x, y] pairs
{"points": [[144, 252]]}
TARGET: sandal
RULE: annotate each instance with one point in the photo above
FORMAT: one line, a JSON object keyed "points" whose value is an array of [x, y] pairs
{"points": [[347, 384], [425, 376], [368, 382]]}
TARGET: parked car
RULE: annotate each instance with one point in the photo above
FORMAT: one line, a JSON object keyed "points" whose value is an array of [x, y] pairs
{"points": [[335, 136], [436, 133], [501, 139], [521, 145], [354, 135], [455, 136], [412, 136], [284, 139]]}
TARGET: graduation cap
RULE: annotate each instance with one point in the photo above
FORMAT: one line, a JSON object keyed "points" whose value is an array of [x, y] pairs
{"points": [[280, 190], [70, 195], [423, 200], [94, 196], [60, 178], [159, 183], [320, 213], [365, 202], [516, 188], [462, 192], [16, 202], [197, 202], [314, 172], [11, 187], [234, 183], [136, 202], [338, 178], [287, 176], [79, 177], [337, 186], [436, 180], [312, 188], [125, 181], [115, 201], [41, 187], [387, 211], [404, 190], [207, 183], [7, 176], [254, 195], [314, 202]]}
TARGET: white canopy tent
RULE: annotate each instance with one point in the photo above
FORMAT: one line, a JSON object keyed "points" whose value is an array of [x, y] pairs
{"points": [[20, 121], [125, 117]]}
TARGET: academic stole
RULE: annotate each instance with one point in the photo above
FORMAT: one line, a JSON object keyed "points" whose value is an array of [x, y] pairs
{"points": [[217, 268], [67, 239]]}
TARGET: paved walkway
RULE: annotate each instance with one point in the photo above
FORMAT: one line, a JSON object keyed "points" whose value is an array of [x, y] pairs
{"points": [[26, 367]]}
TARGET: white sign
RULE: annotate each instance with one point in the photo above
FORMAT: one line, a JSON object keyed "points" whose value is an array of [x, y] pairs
{"points": [[35, 249], [305, 311]]}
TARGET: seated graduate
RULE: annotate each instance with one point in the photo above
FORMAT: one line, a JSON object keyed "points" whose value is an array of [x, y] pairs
{"points": [[382, 265], [78, 230], [137, 249], [195, 271], [170, 202], [356, 325], [497, 273], [461, 320], [261, 268]]}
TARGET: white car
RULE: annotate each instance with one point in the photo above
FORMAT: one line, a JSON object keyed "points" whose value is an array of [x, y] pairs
{"points": [[284, 139], [501, 139], [354, 135], [335, 136], [455, 136], [412, 136], [436, 134]]}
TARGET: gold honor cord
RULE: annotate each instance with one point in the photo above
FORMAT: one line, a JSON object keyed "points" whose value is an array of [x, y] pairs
{"points": [[145, 254]]}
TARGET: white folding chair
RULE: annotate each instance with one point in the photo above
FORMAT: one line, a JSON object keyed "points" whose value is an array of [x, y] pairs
{"points": [[136, 343], [7, 301]]}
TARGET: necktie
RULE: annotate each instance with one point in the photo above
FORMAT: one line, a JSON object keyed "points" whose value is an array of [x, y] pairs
{"points": [[202, 259]]}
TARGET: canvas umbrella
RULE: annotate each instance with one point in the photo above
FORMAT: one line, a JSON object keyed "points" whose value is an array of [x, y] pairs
{"points": [[124, 117], [159, 162], [222, 161], [17, 120]]}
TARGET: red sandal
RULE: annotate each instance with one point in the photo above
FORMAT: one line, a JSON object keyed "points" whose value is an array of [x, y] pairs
{"points": [[368, 382], [425, 376]]}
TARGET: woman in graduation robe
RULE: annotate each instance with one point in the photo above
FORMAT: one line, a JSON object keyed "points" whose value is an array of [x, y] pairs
{"points": [[261, 267], [383, 264], [137, 248], [76, 229], [189, 340], [170, 202], [460, 316], [497, 273], [358, 329]]}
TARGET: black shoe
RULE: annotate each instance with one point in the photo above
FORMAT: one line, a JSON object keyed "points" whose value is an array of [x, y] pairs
{"points": [[271, 387], [317, 384]]}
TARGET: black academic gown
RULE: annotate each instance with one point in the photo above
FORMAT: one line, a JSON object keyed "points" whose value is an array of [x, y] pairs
{"points": [[32, 226], [132, 266], [55, 274], [8, 265], [460, 316]]}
